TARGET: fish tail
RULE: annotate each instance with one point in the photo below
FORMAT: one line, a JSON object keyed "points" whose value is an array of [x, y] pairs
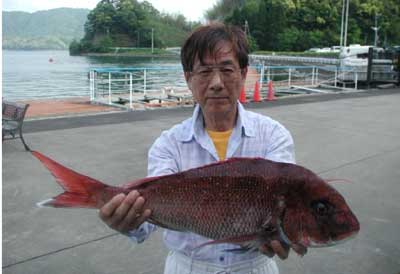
{"points": [[80, 190]]}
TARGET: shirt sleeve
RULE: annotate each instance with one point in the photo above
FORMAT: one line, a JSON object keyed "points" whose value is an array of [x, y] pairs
{"points": [[281, 148], [161, 161], [142, 233]]}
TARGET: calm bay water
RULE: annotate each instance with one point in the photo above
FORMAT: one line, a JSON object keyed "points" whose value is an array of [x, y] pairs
{"points": [[55, 74]]}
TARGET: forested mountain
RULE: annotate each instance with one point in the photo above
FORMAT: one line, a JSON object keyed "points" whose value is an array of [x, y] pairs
{"points": [[301, 24], [50, 29], [130, 23]]}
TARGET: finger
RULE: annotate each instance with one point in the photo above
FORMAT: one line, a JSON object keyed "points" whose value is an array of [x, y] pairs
{"points": [[299, 249], [266, 250], [121, 211], [108, 209], [130, 220], [142, 218], [138, 205], [279, 249]]}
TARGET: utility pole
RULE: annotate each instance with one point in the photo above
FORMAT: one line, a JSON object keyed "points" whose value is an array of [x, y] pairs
{"points": [[346, 23], [246, 28], [152, 40], [376, 30], [342, 25]]}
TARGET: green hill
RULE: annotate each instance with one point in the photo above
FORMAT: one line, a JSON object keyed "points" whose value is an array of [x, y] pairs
{"points": [[50, 29]]}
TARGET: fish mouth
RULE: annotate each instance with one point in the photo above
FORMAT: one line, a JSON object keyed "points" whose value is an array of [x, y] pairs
{"points": [[331, 242]]}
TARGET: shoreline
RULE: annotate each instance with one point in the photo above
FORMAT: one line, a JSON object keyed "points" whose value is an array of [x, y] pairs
{"points": [[128, 55], [81, 106]]}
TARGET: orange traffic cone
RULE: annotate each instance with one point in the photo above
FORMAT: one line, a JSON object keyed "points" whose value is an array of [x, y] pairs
{"points": [[242, 98], [271, 93], [256, 96]]}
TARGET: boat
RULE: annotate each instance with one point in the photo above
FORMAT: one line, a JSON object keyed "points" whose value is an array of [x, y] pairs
{"points": [[354, 64]]}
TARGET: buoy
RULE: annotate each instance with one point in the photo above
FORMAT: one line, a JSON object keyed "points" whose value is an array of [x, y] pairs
{"points": [[256, 95], [271, 93], [242, 98]]}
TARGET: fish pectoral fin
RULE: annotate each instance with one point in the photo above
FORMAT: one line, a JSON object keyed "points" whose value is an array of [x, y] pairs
{"points": [[240, 240]]}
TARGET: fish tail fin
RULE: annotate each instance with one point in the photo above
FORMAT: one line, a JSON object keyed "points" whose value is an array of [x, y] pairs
{"points": [[80, 190]]}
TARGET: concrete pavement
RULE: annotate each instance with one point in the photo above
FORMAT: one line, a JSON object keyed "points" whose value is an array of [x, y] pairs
{"points": [[356, 137]]}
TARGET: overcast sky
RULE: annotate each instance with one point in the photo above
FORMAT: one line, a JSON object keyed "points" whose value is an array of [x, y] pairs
{"points": [[193, 10]]}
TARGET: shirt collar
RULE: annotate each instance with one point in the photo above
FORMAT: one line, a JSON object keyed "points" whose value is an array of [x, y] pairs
{"points": [[196, 125]]}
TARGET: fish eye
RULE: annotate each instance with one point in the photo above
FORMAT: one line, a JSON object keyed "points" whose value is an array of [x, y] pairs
{"points": [[321, 208]]}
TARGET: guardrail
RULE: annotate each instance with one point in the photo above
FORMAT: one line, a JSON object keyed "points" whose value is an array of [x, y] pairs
{"points": [[140, 87]]}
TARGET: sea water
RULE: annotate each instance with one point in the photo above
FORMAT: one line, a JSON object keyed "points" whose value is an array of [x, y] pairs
{"points": [[53, 74]]}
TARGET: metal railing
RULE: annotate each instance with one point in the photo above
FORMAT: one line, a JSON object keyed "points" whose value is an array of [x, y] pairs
{"points": [[125, 87]]}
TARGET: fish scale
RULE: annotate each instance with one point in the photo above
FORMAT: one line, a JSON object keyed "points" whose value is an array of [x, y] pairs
{"points": [[247, 201]]}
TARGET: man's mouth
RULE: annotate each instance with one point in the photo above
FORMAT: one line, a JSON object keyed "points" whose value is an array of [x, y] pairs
{"points": [[217, 98]]}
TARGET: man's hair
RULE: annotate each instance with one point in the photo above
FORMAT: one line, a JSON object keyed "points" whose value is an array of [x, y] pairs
{"points": [[204, 39]]}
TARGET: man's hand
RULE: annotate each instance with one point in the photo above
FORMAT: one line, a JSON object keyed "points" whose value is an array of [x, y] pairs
{"points": [[124, 213], [280, 249]]}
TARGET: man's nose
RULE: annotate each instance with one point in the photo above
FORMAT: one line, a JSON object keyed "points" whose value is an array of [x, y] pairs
{"points": [[216, 81]]}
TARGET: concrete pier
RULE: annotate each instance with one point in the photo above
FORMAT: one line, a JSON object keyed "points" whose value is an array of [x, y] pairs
{"points": [[354, 136]]}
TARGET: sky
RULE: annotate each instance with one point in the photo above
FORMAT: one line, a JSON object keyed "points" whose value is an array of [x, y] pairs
{"points": [[193, 10]]}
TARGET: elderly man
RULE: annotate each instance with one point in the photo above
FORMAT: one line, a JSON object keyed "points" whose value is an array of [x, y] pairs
{"points": [[215, 63]]}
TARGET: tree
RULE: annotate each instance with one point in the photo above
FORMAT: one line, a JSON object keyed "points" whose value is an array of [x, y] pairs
{"points": [[129, 23], [301, 24]]}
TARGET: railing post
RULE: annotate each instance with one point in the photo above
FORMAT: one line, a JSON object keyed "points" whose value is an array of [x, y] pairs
{"points": [[336, 74], [290, 77], [144, 81], [316, 75], [91, 85], [312, 76], [109, 88], [262, 75], [130, 90], [94, 84], [355, 80]]}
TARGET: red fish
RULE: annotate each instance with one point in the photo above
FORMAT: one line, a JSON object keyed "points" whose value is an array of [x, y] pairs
{"points": [[245, 201]]}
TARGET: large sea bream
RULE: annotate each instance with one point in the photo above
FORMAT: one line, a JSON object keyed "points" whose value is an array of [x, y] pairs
{"points": [[245, 201]]}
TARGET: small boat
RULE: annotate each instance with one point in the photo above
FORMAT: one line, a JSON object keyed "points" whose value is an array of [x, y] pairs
{"points": [[354, 64]]}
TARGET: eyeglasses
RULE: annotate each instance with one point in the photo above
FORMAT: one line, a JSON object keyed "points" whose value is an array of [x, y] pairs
{"points": [[206, 73]]}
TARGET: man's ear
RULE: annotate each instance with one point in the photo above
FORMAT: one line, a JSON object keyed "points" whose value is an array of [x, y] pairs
{"points": [[243, 72], [188, 79]]}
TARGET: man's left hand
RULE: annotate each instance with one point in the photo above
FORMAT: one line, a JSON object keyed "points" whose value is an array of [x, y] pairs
{"points": [[276, 247]]}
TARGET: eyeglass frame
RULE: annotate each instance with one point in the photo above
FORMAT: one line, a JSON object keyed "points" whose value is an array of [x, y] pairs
{"points": [[209, 71]]}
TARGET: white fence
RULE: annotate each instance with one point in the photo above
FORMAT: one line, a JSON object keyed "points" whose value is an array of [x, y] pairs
{"points": [[130, 87]]}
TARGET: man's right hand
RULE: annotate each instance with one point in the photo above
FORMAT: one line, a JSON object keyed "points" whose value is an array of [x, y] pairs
{"points": [[124, 213]]}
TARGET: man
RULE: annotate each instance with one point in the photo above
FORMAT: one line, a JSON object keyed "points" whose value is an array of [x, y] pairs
{"points": [[215, 62]]}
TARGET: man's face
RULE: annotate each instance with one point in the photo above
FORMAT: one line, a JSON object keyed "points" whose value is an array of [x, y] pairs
{"points": [[217, 83]]}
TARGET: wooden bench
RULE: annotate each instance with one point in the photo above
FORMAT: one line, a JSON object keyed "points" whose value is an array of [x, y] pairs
{"points": [[13, 115]]}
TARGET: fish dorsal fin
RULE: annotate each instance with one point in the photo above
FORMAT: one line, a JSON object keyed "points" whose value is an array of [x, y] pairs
{"points": [[334, 180], [235, 159], [230, 160]]}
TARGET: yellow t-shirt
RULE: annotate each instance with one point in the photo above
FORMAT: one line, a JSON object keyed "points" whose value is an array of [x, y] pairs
{"points": [[220, 140]]}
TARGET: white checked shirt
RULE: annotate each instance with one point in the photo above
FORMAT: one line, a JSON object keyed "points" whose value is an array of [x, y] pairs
{"points": [[187, 145]]}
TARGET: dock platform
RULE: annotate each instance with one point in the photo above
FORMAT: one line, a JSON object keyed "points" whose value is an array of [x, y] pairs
{"points": [[354, 136]]}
